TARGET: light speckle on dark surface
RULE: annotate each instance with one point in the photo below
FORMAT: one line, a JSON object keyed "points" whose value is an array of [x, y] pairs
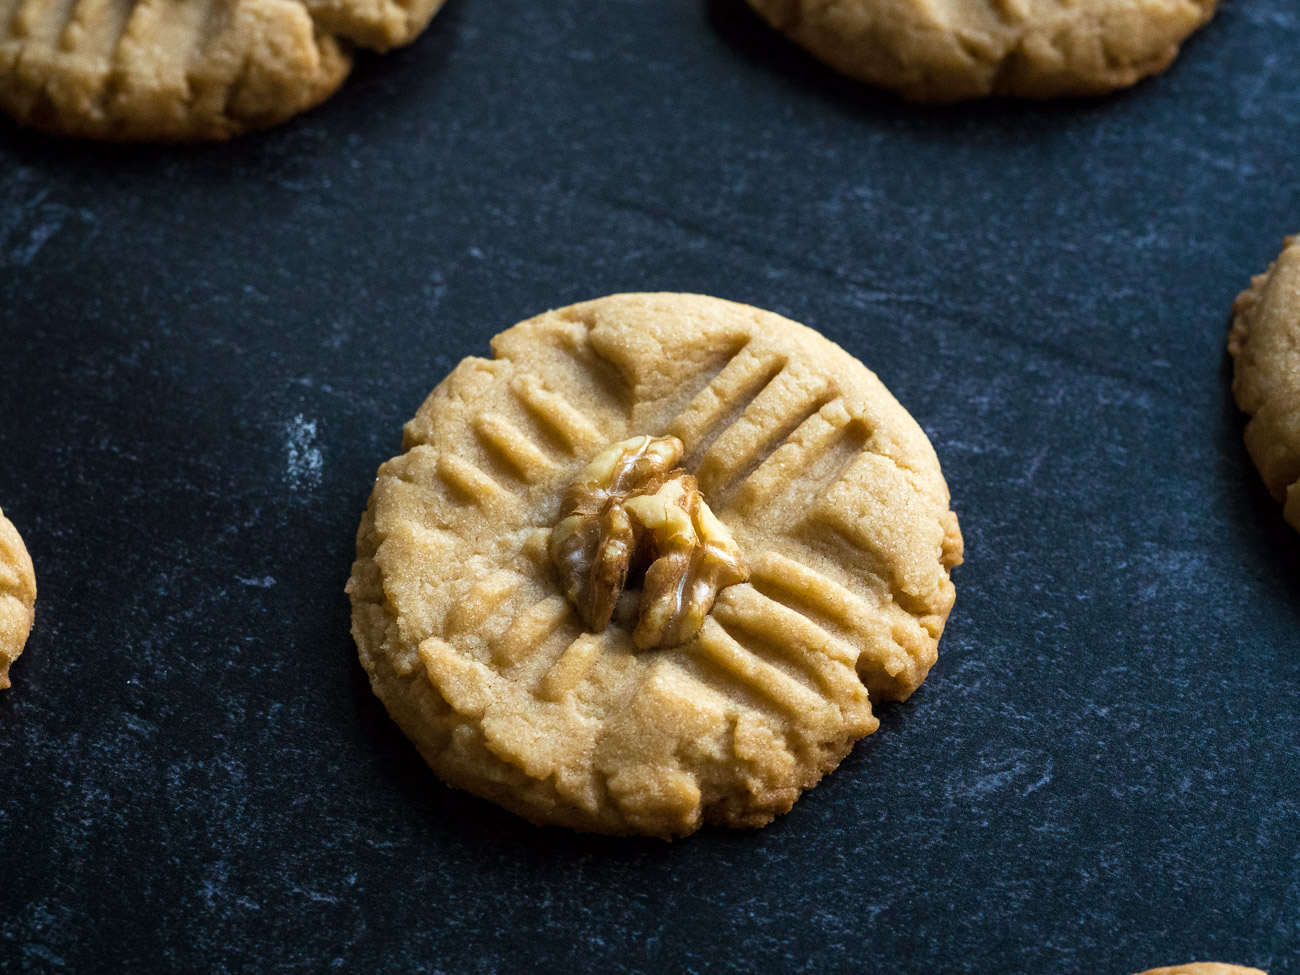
{"points": [[205, 353]]}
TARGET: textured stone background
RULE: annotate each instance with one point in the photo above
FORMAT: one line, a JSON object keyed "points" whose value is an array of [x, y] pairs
{"points": [[204, 355]]}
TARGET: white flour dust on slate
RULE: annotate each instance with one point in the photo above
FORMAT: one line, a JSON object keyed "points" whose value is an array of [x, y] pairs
{"points": [[304, 462]]}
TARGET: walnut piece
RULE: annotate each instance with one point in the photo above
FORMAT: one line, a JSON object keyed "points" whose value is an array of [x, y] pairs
{"points": [[594, 543], [695, 558], [630, 508]]}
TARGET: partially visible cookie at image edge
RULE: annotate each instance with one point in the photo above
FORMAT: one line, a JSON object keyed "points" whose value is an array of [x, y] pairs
{"points": [[829, 490], [954, 50], [1265, 342], [1204, 968], [17, 597], [185, 70]]}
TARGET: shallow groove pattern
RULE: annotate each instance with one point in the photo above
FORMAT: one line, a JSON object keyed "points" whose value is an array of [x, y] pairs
{"points": [[184, 70]]}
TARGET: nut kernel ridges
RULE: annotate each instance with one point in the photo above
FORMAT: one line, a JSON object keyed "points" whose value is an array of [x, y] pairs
{"points": [[628, 509], [596, 540]]}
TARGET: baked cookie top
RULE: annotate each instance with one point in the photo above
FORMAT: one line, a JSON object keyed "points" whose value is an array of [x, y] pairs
{"points": [[952, 50], [17, 597], [1265, 341], [1205, 968], [185, 70], [830, 490]]}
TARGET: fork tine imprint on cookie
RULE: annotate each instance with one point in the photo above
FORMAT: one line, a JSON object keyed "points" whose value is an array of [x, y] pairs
{"points": [[185, 70]]}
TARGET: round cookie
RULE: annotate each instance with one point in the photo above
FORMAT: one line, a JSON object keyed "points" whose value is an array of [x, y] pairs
{"points": [[185, 70], [829, 488], [1205, 968], [17, 597], [953, 50], [1265, 342]]}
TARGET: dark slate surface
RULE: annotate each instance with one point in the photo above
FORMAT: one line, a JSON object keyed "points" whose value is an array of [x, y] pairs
{"points": [[206, 353]]}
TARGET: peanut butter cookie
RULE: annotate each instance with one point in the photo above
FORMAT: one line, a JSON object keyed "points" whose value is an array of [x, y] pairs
{"points": [[1205, 968], [953, 50], [185, 70], [1265, 341], [651, 564], [17, 597]]}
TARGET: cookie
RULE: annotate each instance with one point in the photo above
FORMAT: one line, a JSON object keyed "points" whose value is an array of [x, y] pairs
{"points": [[17, 597], [954, 50], [1205, 968], [185, 70], [1265, 342], [642, 687]]}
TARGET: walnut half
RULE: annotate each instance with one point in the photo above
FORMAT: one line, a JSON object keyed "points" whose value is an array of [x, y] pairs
{"points": [[630, 508], [595, 541], [695, 558]]}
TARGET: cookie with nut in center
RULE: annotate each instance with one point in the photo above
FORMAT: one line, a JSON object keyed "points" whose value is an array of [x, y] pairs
{"points": [[651, 565]]}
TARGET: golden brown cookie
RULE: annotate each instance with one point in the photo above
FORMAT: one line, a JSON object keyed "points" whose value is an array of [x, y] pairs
{"points": [[17, 597], [1265, 341], [1205, 968], [185, 70], [828, 488], [953, 50]]}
